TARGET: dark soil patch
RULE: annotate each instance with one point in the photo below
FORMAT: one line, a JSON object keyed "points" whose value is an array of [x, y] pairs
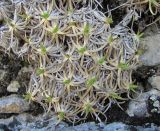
{"points": [[11, 65], [115, 114]]}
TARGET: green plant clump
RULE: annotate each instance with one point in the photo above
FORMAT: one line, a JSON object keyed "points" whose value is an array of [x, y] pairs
{"points": [[80, 61]]}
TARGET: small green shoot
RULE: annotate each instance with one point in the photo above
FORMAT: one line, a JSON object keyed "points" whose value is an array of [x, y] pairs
{"points": [[67, 82], [116, 96], [108, 20], [88, 108], [132, 87], [110, 39], [61, 115], [86, 29], [82, 50], [43, 49], [55, 29], [40, 71], [91, 81], [48, 99], [28, 96], [101, 61], [45, 15], [123, 66], [139, 36]]}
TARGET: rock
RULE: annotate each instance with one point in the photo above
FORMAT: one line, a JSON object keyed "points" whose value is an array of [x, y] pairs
{"points": [[13, 86], [24, 77], [2, 74], [27, 122], [154, 104], [13, 104], [152, 127], [152, 53], [155, 82], [139, 107], [91, 126], [116, 126]]}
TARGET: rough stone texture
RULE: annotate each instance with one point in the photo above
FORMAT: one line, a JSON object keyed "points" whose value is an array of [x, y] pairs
{"points": [[152, 53], [155, 82], [2, 74], [27, 122], [13, 86], [139, 107], [2, 78], [13, 104], [116, 127], [83, 127]]}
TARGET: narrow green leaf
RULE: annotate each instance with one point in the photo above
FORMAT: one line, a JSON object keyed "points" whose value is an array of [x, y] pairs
{"points": [[132, 87], [109, 20], [67, 82], [86, 29], [43, 49], [40, 71], [45, 15], [116, 96], [55, 29], [82, 50], [61, 115], [123, 66], [48, 99], [27, 96], [88, 108], [91, 81], [101, 61]]}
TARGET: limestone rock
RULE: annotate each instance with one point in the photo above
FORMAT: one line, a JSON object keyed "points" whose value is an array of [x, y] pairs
{"points": [[152, 53], [139, 107], [13, 104], [13, 86], [155, 82]]}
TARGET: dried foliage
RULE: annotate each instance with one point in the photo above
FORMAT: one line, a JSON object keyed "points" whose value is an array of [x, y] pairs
{"points": [[82, 65]]}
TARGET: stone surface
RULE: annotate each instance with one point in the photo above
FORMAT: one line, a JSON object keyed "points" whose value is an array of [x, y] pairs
{"points": [[152, 53], [116, 126], [83, 127], [139, 107], [27, 122], [155, 82], [13, 86], [13, 104], [2, 74]]}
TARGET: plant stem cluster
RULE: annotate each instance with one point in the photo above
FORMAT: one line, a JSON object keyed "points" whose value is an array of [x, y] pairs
{"points": [[82, 65]]}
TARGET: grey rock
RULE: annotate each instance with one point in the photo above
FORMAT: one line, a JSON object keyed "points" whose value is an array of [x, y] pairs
{"points": [[151, 128], [116, 126], [139, 107], [152, 53], [2, 74], [91, 126], [155, 82], [27, 122], [13, 86], [13, 104]]}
